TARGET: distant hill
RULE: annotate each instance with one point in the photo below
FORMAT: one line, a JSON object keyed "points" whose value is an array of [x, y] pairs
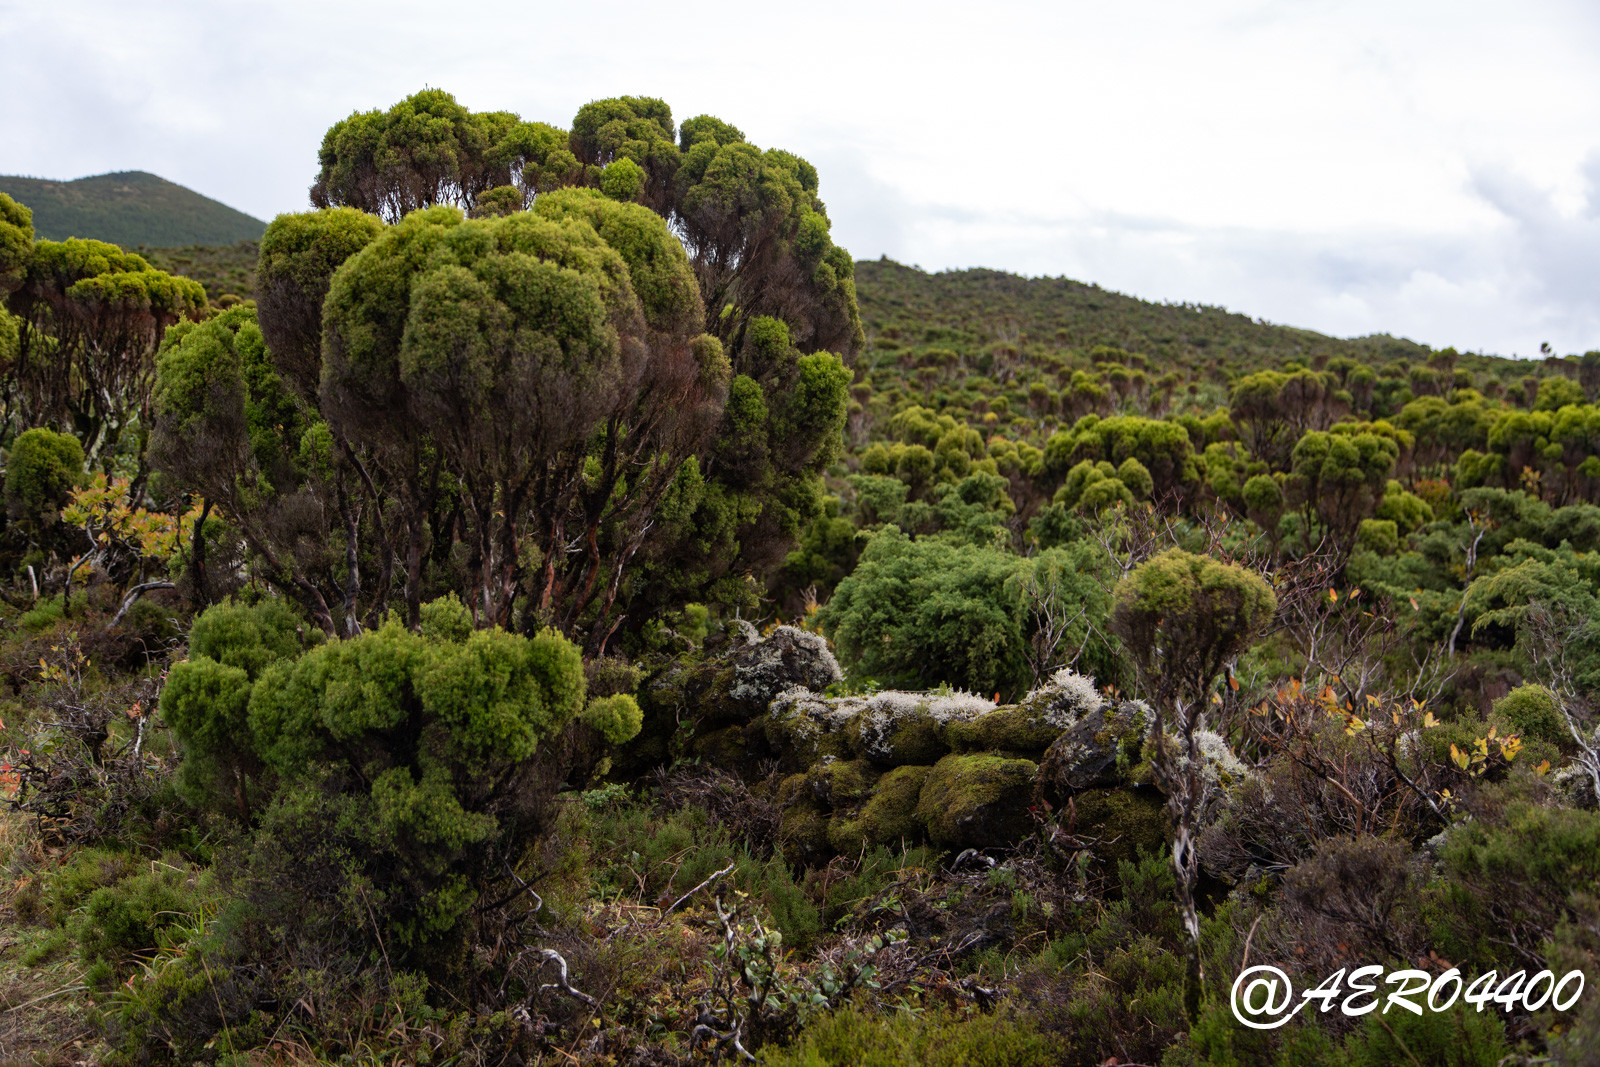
{"points": [[969, 310], [130, 208]]}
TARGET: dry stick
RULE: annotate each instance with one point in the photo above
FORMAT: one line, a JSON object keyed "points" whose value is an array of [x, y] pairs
{"points": [[679, 902], [1244, 962], [133, 595], [47, 996], [562, 983]]}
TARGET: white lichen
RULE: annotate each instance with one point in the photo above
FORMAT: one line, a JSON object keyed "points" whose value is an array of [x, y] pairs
{"points": [[1079, 689], [765, 671], [1218, 764], [884, 713]]}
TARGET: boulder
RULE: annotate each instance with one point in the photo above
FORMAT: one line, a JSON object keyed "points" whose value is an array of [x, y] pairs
{"points": [[836, 783], [977, 801], [737, 685], [889, 816], [800, 728], [899, 729], [1124, 822], [784, 659], [1032, 724], [1104, 748]]}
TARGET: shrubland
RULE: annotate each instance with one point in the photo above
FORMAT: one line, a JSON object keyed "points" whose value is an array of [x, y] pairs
{"points": [[570, 612]]}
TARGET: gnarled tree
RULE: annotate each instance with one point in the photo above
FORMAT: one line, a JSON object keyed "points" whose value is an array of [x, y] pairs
{"points": [[1183, 619]]}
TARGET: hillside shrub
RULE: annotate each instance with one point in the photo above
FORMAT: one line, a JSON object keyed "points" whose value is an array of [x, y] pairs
{"points": [[396, 772]]}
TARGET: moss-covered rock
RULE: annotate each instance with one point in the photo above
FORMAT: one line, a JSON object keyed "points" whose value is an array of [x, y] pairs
{"points": [[786, 658], [794, 789], [837, 783], [898, 729], [732, 687], [1575, 786], [1032, 724], [1104, 748], [803, 835], [977, 801], [800, 728], [1123, 821], [725, 747], [887, 818]]}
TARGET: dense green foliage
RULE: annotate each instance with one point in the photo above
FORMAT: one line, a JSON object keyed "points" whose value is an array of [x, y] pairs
{"points": [[406, 761], [391, 665], [1183, 617]]}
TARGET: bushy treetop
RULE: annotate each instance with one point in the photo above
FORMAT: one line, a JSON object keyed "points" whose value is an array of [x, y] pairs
{"points": [[1183, 616]]}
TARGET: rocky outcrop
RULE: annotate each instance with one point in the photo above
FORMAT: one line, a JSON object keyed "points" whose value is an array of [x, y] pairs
{"points": [[1106, 747], [947, 767], [715, 701]]}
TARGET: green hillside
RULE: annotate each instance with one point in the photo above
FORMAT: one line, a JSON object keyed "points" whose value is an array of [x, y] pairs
{"points": [[129, 208], [222, 269], [967, 310]]}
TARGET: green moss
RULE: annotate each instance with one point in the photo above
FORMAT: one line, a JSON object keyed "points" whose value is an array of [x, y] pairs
{"points": [[888, 817], [793, 790], [1127, 822], [1103, 748], [910, 737], [803, 834], [1028, 727], [842, 783], [723, 747], [1532, 712], [977, 800], [799, 739]]}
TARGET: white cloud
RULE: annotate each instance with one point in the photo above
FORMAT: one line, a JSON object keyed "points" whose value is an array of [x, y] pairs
{"points": [[1353, 166]]}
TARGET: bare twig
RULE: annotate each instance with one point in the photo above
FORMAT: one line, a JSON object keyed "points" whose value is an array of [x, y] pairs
{"points": [[562, 983], [680, 901]]}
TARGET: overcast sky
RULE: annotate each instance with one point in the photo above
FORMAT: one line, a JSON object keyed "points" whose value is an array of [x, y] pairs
{"points": [[1427, 169]]}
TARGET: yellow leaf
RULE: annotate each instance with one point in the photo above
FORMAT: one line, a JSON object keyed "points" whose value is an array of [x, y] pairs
{"points": [[1429, 722], [1543, 768], [1333, 595]]}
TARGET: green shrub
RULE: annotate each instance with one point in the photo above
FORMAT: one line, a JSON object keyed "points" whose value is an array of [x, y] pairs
{"points": [[1512, 881], [123, 920], [46, 612], [42, 469], [931, 1039], [1532, 711], [394, 772], [1457, 1038], [62, 891]]}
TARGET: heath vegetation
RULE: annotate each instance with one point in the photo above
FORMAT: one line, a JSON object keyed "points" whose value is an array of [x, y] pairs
{"points": [[546, 603]]}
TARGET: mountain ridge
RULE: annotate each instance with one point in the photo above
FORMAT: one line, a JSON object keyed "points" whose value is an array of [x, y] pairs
{"points": [[129, 208]]}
